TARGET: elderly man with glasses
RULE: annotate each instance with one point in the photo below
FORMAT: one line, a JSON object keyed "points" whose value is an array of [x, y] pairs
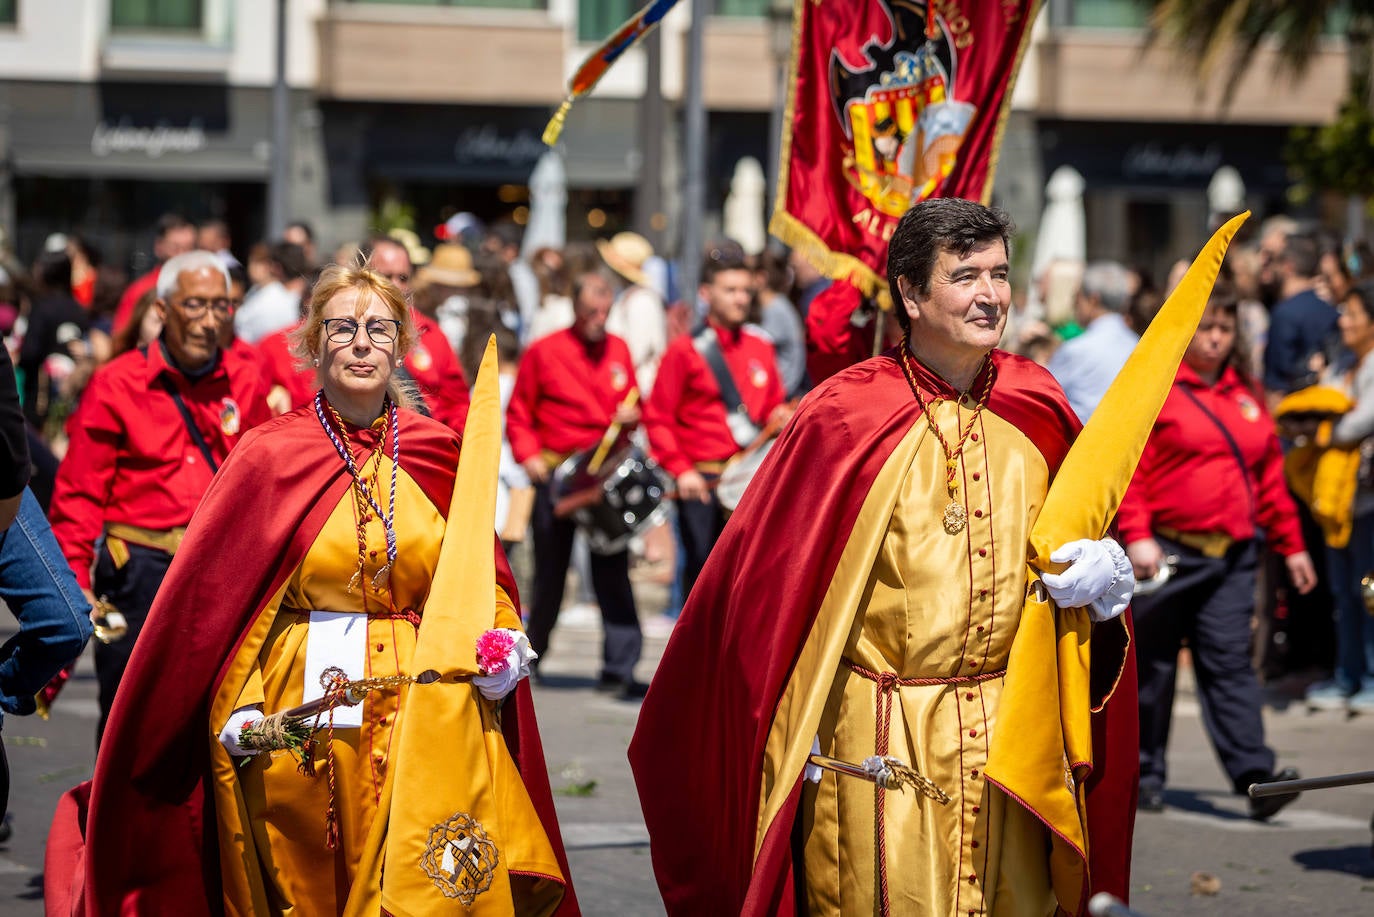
{"points": [[152, 428], [431, 364]]}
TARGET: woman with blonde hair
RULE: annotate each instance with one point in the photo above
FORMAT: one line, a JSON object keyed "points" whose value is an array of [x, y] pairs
{"points": [[306, 573]]}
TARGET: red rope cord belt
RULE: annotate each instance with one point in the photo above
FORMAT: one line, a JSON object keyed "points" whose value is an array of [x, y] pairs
{"points": [[885, 684]]}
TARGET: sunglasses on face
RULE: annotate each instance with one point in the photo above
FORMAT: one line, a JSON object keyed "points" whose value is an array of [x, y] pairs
{"points": [[344, 330]]}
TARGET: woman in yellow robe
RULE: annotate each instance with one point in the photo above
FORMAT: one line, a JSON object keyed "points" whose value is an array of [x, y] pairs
{"points": [[298, 838]]}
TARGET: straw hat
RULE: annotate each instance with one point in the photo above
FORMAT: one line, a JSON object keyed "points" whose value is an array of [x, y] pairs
{"points": [[451, 265], [626, 253], [411, 242]]}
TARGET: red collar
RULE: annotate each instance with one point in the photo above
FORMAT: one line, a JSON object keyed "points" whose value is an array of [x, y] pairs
{"points": [[726, 336]]}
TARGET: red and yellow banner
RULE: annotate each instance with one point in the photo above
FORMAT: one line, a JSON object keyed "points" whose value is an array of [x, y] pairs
{"points": [[890, 102]]}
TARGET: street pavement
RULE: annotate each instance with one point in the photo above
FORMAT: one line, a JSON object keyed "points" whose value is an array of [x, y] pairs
{"points": [[1313, 858]]}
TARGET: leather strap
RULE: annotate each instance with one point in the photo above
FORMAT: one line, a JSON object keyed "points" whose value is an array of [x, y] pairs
{"points": [[1230, 441], [190, 422], [707, 343]]}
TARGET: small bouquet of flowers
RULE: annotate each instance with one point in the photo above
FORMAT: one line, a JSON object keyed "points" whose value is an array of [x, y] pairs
{"points": [[503, 658]]}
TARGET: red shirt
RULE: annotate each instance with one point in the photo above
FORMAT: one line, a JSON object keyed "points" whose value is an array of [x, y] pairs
{"points": [[566, 393], [1188, 478], [240, 351], [833, 341], [132, 294], [436, 370], [130, 458], [685, 416], [278, 363]]}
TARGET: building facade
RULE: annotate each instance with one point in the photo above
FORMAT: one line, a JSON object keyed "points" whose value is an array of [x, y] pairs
{"points": [[114, 111]]}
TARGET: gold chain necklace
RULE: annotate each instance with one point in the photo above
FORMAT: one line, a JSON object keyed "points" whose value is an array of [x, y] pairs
{"points": [[956, 515]]}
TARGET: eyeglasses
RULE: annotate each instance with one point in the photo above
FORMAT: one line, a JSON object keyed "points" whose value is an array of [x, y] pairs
{"points": [[195, 307], [344, 330]]}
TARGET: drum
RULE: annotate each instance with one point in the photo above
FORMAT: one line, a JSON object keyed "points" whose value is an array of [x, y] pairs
{"points": [[613, 506], [740, 470]]}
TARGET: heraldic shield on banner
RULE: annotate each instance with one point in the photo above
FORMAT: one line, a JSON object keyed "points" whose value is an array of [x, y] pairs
{"points": [[890, 102], [907, 126]]}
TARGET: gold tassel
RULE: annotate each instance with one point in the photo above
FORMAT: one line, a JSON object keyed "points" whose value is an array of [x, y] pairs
{"points": [[554, 128]]}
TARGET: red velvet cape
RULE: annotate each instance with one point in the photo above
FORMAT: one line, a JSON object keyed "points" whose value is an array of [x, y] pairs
{"points": [[697, 752], [146, 842]]}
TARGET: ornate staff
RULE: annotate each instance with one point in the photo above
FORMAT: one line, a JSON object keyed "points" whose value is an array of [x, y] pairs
{"points": [[293, 730], [887, 772]]}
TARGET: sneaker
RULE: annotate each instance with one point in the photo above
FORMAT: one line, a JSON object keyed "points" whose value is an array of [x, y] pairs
{"points": [[1326, 695], [1266, 807], [1361, 701], [1151, 799]]}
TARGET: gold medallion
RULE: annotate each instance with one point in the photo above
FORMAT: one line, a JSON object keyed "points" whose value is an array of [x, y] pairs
{"points": [[956, 517]]}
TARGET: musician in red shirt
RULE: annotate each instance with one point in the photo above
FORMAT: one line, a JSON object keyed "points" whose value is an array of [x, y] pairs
{"points": [[431, 363], [571, 387], [694, 427], [151, 430]]}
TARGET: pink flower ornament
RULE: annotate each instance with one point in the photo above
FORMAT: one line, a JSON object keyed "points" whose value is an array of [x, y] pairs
{"points": [[493, 651]]}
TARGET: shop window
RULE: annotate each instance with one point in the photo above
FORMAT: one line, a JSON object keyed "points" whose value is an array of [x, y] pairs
{"points": [[485, 4], [1109, 14], [141, 15], [753, 8], [9, 12], [597, 19]]}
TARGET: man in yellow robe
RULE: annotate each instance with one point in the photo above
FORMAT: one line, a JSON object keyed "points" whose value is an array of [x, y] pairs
{"points": [[863, 602]]}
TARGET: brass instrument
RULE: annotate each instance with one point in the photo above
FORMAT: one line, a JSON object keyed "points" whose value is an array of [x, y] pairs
{"points": [[109, 621]]}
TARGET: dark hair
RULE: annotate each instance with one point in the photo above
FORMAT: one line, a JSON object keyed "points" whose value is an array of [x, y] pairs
{"points": [[727, 255], [773, 264], [580, 282], [303, 227], [1225, 300], [506, 232], [52, 272], [1303, 254], [496, 283], [238, 274], [109, 286], [946, 224], [366, 249], [126, 338], [1364, 292], [290, 260], [84, 245], [170, 221]]}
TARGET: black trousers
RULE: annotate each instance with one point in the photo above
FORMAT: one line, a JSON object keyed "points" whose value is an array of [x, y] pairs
{"points": [[700, 525], [622, 640], [131, 589], [1208, 603]]}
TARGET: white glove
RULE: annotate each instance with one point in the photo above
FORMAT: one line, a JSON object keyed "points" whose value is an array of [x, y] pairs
{"points": [[1099, 576], [811, 771], [229, 735], [498, 684]]}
